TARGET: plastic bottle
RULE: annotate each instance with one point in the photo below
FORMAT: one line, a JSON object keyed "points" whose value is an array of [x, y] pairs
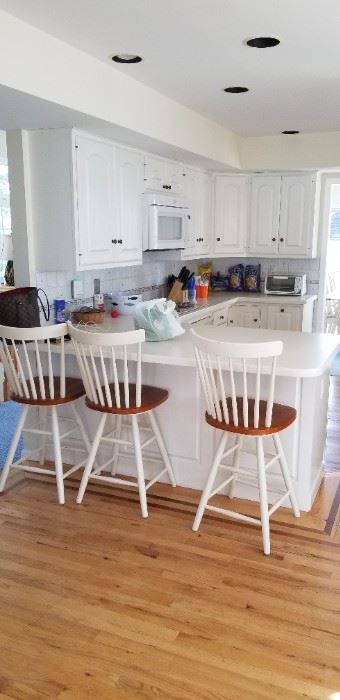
{"points": [[59, 310]]}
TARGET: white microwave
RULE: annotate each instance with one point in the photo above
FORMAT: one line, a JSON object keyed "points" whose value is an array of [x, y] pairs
{"points": [[285, 284], [166, 222]]}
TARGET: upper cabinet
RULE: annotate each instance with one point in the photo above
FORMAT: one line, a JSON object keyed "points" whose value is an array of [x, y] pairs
{"points": [[282, 216], [230, 215], [264, 217], [198, 194], [162, 175], [86, 201]]}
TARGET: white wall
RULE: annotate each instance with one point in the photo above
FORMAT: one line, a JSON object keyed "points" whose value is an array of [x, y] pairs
{"points": [[38, 64], [291, 152]]}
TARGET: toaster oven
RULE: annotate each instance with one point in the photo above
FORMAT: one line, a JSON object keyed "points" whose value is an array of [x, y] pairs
{"points": [[285, 284]]}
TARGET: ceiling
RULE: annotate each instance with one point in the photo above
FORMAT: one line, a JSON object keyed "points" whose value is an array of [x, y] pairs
{"points": [[192, 49]]}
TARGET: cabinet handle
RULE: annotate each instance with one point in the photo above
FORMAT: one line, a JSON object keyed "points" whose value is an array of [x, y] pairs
{"points": [[282, 310], [114, 240], [255, 320], [273, 239], [169, 187], [221, 318], [120, 241], [218, 239], [281, 240], [231, 321]]}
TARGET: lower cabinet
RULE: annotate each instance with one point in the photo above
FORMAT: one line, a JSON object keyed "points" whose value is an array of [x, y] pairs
{"points": [[284, 318], [245, 316]]}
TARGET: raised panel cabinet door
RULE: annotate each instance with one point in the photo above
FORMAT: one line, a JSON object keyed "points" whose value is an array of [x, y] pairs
{"points": [[155, 174], [175, 177], [193, 198], [95, 201], [236, 315], [252, 316], [297, 215], [230, 215], [129, 179], [264, 214], [284, 318], [207, 200]]}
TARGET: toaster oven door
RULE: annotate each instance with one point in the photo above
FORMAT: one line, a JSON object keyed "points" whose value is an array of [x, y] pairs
{"points": [[280, 284]]}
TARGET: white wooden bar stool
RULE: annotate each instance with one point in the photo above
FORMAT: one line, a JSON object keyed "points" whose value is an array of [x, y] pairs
{"points": [[36, 376], [218, 362], [103, 360]]}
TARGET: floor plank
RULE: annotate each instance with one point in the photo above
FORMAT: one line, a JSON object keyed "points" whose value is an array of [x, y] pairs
{"points": [[97, 603]]}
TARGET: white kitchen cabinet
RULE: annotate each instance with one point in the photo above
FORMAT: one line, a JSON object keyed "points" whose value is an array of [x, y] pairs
{"points": [[264, 215], [86, 201], [230, 215], [244, 315], [197, 194], [281, 317], [163, 175], [296, 231], [282, 215], [129, 183], [96, 195]]}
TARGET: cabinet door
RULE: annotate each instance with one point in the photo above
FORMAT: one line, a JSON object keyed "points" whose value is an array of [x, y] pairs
{"points": [[192, 194], [174, 174], [297, 215], [207, 200], [96, 202], [264, 215], [154, 174], [284, 318], [129, 179], [244, 316], [230, 219]]}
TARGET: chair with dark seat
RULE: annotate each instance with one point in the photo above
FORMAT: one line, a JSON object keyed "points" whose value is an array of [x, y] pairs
{"points": [[222, 366], [113, 384], [37, 380]]}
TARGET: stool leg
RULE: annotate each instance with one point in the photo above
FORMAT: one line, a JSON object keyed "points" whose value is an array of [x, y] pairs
{"points": [[236, 465], [210, 482], [161, 446], [118, 430], [58, 462], [43, 410], [286, 475], [81, 427], [13, 447], [263, 495], [140, 468], [91, 458]]}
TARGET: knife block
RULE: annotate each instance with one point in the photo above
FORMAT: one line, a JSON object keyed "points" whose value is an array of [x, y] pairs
{"points": [[176, 293]]}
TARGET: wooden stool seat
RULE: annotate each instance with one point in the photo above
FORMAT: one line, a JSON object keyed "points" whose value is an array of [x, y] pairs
{"points": [[282, 417], [151, 397], [74, 389]]}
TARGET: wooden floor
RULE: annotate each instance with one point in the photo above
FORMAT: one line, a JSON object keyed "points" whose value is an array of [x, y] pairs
{"points": [[98, 604]]}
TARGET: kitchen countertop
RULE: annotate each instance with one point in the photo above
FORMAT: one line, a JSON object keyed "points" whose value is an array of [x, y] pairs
{"points": [[221, 298], [304, 354]]}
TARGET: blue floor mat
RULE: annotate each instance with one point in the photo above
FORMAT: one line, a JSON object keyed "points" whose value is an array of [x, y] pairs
{"points": [[335, 366], [9, 416]]}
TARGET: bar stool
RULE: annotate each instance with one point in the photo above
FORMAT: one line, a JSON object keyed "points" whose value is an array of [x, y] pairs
{"points": [[246, 417], [25, 354], [103, 360]]}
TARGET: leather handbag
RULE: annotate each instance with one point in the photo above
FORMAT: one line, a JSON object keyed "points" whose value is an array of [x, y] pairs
{"points": [[19, 308]]}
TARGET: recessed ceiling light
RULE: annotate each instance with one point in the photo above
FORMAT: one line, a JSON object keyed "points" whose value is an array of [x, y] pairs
{"points": [[292, 131], [263, 42], [236, 89], [126, 58]]}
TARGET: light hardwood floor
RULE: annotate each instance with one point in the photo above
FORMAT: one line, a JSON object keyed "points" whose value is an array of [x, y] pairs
{"points": [[96, 603]]}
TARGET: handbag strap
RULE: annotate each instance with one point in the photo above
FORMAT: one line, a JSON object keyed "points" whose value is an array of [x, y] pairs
{"points": [[46, 315]]}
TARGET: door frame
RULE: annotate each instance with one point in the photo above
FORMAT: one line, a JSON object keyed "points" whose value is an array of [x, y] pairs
{"points": [[327, 180]]}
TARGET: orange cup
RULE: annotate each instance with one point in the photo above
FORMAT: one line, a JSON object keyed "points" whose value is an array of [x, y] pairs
{"points": [[202, 291]]}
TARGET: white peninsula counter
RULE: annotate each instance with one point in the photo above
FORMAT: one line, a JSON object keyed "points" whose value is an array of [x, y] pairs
{"points": [[302, 382]]}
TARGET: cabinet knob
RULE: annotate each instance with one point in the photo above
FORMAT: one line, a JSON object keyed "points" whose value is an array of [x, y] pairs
{"points": [[197, 240], [273, 239], [114, 240], [231, 321], [221, 318], [169, 187], [255, 320], [218, 239], [281, 240], [282, 311], [120, 241], [164, 187]]}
